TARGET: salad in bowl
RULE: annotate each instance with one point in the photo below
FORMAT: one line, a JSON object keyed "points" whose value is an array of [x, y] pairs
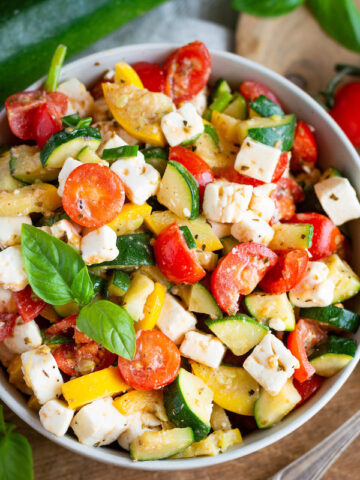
{"points": [[174, 263]]}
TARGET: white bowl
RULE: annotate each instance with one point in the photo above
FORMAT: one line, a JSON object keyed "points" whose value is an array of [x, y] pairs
{"points": [[335, 150]]}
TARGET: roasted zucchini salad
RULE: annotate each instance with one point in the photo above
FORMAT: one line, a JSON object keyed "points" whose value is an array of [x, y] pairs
{"points": [[173, 262]]}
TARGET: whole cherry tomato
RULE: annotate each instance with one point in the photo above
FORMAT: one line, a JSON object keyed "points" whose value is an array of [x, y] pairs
{"points": [[28, 304], [346, 110], [304, 150], [252, 90], [152, 76]]}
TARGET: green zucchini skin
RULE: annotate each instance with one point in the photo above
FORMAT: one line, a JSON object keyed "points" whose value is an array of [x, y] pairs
{"points": [[265, 107], [284, 132], [333, 316], [335, 345], [134, 250], [29, 39]]}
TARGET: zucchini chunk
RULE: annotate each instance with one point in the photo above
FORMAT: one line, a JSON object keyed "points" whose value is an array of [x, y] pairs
{"points": [[239, 333], [347, 283], [333, 316], [188, 403], [237, 108], [291, 235], [119, 283], [198, 299], [134, 250], [36, 198], [156, 157], [7, 181], [278, 129], [229, 242], [71, 308], [215, 443], [265, 307], [332, 355], [25, 165], [264, 107]]}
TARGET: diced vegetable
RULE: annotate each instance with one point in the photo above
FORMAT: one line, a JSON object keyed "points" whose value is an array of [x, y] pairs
{"points": [[119, 283], [141, 401], [134, 249], [198, 299], [152, 308], [332, 355], [7, 181], [347, 283], [26, 167], [215, 443], [163, 444], [130, 218], [134, 301], [291, 235], [36, 198], [126, 75], [266, 308], [333, 316]]}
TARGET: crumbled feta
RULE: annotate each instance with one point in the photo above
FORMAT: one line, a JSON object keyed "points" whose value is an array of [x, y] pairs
{"points": [[203, 348], [271, 364], [338, 199], [257, 160], [68, 232], [25, 336], [69, 165], [12, 271], [42, 374], [277, 324], [56, 417], [10, 229], [315, 288], [182, 125], [80, 100], [7, 302], [225, 201], [99, 246], [221, 230], [137, 424], [174, 320], [251, 228], [98, 423]]}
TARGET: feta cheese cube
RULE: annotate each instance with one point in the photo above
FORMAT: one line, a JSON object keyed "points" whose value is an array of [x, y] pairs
{"points": [[114, 142], [99, 246], [6, 355], [271, 364], [277, 324], [25, 336], [42, 374], [68, 232], [257, 160], [7, 302], [98, 423], [182, 125], [338, 199], [69, 165], [251, 228], [174, 320], [141, 180], [315, 289], [225, 201], [265, 190], [203, 348], [56, 417], [10, 229], [137, 424], [80, 100], [12, 271], [221, 230], [263, 207]]}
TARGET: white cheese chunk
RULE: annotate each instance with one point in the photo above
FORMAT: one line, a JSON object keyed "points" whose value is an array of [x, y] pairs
{"points": [[203, 348], [80, 99], [182, 125], [98, 423], [114, 142], [271, 364], [68, 232], [99, 246], [315, 288], [174, 320], [42, 374], [207, 260], [338, 199], [6, 355], [251, 228], [69, 165], [7, 302], [221, 230], [25, 336], [257, 160], [56, 417], [263, 207], [225, 201], [10, 229], [12, 271], [265, 190], [200, 101], [277, 324], [137, 424]]}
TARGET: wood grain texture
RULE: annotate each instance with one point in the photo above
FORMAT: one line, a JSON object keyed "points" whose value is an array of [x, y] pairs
{"points": [[55, 463], [293, 45]]}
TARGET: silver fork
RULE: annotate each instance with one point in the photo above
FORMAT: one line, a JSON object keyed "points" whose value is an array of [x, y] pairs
{"points": [[314, 464]]}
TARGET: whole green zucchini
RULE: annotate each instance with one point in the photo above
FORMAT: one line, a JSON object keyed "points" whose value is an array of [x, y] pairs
{"points": [[30, 30]]}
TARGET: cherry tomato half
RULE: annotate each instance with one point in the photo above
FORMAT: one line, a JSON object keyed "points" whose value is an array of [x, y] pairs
{"points": [[7, 324], [187, 72], [156, 362], [304, 150], [308, 388], [198, 168], [252, 90], [64, 326], [46, 123], [152, 76], [345, 110], [28, 304], [231, 175], [326, 236], [287, 273], [93, 195], [174, 258], [239, 272]]}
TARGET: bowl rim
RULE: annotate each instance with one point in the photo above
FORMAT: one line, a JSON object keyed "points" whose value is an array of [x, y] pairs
{"points": [[14, 399]]}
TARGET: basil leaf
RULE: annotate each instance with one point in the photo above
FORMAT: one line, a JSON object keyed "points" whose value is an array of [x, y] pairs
{"points": [[53, 268], [15, 458], [56, 340], [340, 19], [267, 8], [110, 325], [82, 287]]}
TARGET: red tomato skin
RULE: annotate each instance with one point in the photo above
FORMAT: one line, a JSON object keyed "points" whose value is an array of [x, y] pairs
{"points": [[173, 257], [97, 90], [198, 168], [231, 175], [156, 362], [287, 273], [46, 122], [65, 358], [187, 71], [326, 236], [304, 151], [239, 272], [93, 195], [252, 90], [305, 335], [345, 110], [152, 76], [28, 305], [308, 387], [281, 166], [7, 324], [63, 326]]}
